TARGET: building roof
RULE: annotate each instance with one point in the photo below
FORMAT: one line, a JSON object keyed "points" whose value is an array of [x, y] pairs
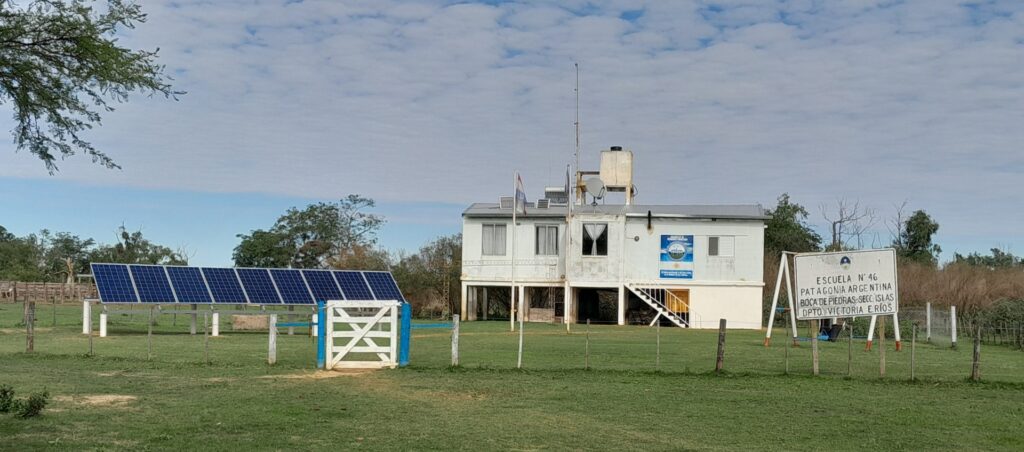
{"points": [[706, 211]]}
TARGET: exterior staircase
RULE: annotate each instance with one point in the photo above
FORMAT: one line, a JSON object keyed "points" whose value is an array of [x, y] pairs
{"points": [[656, 298]]}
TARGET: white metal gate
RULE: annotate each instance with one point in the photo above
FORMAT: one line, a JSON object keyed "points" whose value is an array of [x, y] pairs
{"points": [[366, 328]]}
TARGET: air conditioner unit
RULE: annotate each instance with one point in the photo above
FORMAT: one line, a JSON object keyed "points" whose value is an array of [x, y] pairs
{"points": [[542, 203]]}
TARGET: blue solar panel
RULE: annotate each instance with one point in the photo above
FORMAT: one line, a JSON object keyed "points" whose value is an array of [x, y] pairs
{"points": [[114, 284], [258, 285], [291, 286], [224, 285], [353, 285], [323, 285], [152, 284], [384, 286], [188, 285]]}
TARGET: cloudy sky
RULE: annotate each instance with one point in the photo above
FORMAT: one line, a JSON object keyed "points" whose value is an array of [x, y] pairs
{"points": [[427, 106]]}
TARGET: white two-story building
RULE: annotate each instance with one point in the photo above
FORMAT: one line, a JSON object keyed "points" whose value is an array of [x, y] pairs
{"points": [[690, 265]]}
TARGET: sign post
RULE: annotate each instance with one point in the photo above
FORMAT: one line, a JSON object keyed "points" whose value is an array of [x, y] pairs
{"points": [[848, 284]]}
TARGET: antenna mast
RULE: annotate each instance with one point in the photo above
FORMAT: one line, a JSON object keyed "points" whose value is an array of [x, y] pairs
{"points": [[576, 169]]}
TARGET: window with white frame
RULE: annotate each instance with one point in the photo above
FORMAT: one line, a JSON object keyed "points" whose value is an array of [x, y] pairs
{"points": [[493, 240], [721, 246], [595, 239], [547, 240]]}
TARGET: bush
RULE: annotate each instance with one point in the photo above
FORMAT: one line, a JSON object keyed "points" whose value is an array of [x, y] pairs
{"points": [[32, 406], [6, 398]]}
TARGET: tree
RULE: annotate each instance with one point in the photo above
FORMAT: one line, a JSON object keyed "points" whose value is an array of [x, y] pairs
{"points": [[431, 278], [787, 229], [20, 257], [133, 248], [263, 249], [65, 255], [60, 64], [914, 241], [998, 259], [318, 236], [848, 222]]}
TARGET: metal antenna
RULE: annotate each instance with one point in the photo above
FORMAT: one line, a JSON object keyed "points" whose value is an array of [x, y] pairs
{"points": [[577, 124]]}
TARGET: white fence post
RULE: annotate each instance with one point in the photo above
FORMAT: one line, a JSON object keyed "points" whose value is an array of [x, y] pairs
{"points": [[216, 324], [103, 324], [272, 349], [952, 323], [86, 317], [928, 321]]}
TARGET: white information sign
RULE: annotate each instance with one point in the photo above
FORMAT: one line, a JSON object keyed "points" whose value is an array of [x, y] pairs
{"points": [[846, 284]]}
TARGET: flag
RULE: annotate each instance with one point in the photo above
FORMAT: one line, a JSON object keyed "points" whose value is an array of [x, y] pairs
{"points": [[520, 195]]}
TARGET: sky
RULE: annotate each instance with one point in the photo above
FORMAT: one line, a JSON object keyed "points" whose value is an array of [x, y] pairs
{"points": [[428, 106]]}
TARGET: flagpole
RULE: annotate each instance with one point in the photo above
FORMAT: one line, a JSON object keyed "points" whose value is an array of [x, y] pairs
{"points": [[512, 299]]}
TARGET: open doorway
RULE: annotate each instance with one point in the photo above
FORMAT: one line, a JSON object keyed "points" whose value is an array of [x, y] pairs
{"points": [[597, 305]]}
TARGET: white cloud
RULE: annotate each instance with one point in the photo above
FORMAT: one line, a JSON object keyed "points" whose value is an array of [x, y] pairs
{"points": [[878, 100]]}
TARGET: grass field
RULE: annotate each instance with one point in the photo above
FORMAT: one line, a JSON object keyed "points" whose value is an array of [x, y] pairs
{"points": [[118, 399]]}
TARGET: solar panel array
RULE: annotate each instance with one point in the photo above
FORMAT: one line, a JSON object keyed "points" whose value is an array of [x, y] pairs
{"points": [[130, 283]]}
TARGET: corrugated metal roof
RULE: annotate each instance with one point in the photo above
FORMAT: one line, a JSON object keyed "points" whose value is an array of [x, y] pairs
{"points": [[724, 211]]}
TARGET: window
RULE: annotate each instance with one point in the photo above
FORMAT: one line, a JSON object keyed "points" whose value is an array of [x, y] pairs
{"points": [[595, 239], [547, 240], [721, 246], [493, 240]]}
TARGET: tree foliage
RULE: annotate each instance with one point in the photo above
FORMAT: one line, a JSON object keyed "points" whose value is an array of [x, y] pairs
{"points": [[914, 241], [133, 248], [998, 259], [61, 64], [427, 276], [321, 235], [787, 229]]}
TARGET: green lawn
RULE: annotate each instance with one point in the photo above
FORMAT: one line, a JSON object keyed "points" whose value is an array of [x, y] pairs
{"points": [[118, 399]]}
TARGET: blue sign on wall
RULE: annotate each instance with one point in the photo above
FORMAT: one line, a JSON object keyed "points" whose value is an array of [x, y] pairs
{"points": [[676, 257]]}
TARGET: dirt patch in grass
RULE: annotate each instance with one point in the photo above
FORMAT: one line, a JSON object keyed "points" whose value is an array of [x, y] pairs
{"points": [[99, 400]]}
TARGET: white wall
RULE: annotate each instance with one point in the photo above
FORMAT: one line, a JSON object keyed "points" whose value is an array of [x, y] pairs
{"points": [[529, 266], [643, 250]]}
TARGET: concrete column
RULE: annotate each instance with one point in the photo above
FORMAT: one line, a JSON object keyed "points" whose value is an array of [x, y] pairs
{"points": [[525, 303], [192, 319], [463, 314], [216, 324], [485, 303], [474, 300], [622, 305], [103, 324], [86, 318], [566, 304]]}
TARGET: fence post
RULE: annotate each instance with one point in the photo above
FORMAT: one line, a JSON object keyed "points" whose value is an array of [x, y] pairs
{"points": [[586, 349], [455, 340], [657, 355], [103, 322], [952, 323], [721, 346], [913, 350], [405, 339], [928, 322], [30, 330], [975, 365], [814, 346], [881, 346], [149, 336], [272, 346], [86, 318], [206, 337], [321, 333], [215, 323]]}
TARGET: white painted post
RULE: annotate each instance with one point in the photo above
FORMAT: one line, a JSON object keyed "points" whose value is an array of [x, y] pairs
{"points": [[871, 333], [86, 317], [928, 321], [952, 324], [789, 297], [567, 306], [775, 302], [896, 330], [103, 324], [455, 340], [193, 318], [622, 304], [216, 324], [272, 349], [315, 329]]}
